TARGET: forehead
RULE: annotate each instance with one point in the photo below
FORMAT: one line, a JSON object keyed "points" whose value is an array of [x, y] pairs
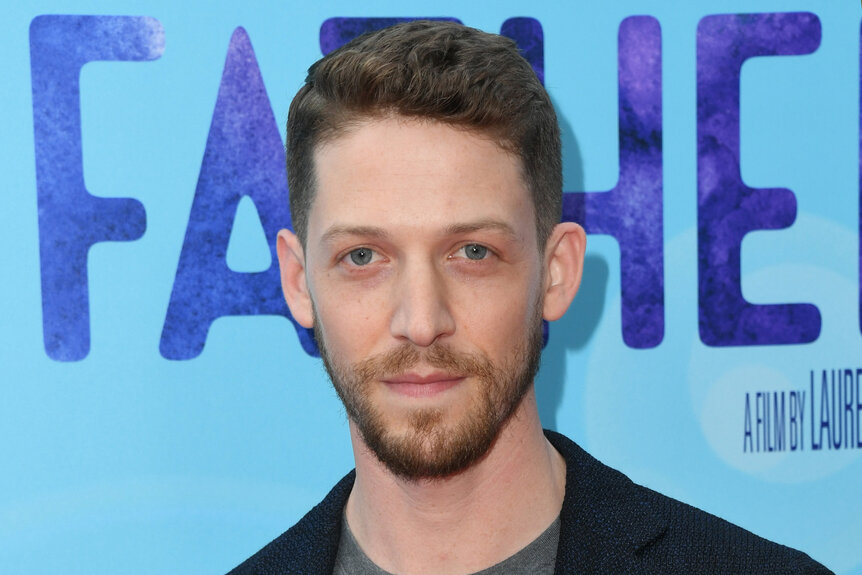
{"points": [[405, 172]]}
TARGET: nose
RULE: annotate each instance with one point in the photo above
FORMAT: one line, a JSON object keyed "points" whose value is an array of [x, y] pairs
{"points": [[422, 309]]}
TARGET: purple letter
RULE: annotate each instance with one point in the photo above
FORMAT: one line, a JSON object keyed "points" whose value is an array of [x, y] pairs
{"points": [[244, 156], [530, 38], [632, 211], [336, 32], [70, 218], [727, 208]]}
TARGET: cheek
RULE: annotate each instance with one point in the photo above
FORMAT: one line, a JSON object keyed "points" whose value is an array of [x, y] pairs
{"points": [[497, 317], [351, 321]]}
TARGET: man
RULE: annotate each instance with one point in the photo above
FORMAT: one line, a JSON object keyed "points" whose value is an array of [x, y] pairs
{"points": [[424, 168]]}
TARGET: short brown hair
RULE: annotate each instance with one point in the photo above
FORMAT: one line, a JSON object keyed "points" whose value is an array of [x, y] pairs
{"points": [[440, 71]]}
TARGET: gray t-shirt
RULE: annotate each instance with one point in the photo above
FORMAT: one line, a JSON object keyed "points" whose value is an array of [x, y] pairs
{"points": [[537, 558]]}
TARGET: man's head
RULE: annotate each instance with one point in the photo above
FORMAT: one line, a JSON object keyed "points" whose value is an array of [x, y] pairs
{"points": [[421, 261], [438, 71]]}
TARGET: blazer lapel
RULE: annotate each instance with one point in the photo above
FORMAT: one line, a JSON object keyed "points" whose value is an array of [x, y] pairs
{"points": [[606, 518]]}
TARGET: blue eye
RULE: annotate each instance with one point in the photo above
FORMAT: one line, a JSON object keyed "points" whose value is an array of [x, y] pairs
{"points": [[361, 256], [475, 251]]}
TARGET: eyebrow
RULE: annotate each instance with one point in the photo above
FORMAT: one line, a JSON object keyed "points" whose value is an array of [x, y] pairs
{"points": [[482, 225], [336, 232], [340, 231]]}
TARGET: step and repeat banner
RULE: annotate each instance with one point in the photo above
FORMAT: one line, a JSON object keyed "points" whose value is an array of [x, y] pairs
{"points": [[160, 412]]}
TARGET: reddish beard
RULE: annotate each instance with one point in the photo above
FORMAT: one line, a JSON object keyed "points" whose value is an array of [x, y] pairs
{"points": [[430, 449]]}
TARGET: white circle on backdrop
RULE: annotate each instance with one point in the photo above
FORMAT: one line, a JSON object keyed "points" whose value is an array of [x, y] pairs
{"points": [[718, 395], [633, 414]]}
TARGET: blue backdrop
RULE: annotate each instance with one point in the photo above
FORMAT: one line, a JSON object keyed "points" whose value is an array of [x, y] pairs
{"points": [[161, 413]]}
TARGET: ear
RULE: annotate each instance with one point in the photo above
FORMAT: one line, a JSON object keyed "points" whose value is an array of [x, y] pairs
{"points": [[291, 262], [564, 264]]}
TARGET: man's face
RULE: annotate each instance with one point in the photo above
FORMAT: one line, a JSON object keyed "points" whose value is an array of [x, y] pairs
{"points": [[426, 279]]}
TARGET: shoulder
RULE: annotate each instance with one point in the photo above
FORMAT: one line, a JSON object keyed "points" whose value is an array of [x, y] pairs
{"points": [[697, 541], [308, 547], [611, 524]]}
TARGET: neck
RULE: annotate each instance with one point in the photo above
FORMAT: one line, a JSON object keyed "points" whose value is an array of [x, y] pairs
{"points": [[466, 522]]}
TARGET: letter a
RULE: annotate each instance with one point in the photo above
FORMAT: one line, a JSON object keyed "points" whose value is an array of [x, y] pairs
{"points": [[244, 156]]}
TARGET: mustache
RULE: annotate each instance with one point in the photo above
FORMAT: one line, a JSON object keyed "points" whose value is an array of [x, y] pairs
{"points": [[406, 356]]}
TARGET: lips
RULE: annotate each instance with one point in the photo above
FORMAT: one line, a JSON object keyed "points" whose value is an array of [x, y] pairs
{"points": [[423, 385]]}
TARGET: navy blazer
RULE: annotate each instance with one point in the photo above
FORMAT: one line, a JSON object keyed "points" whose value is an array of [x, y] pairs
{"points": [[608, 525]]}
